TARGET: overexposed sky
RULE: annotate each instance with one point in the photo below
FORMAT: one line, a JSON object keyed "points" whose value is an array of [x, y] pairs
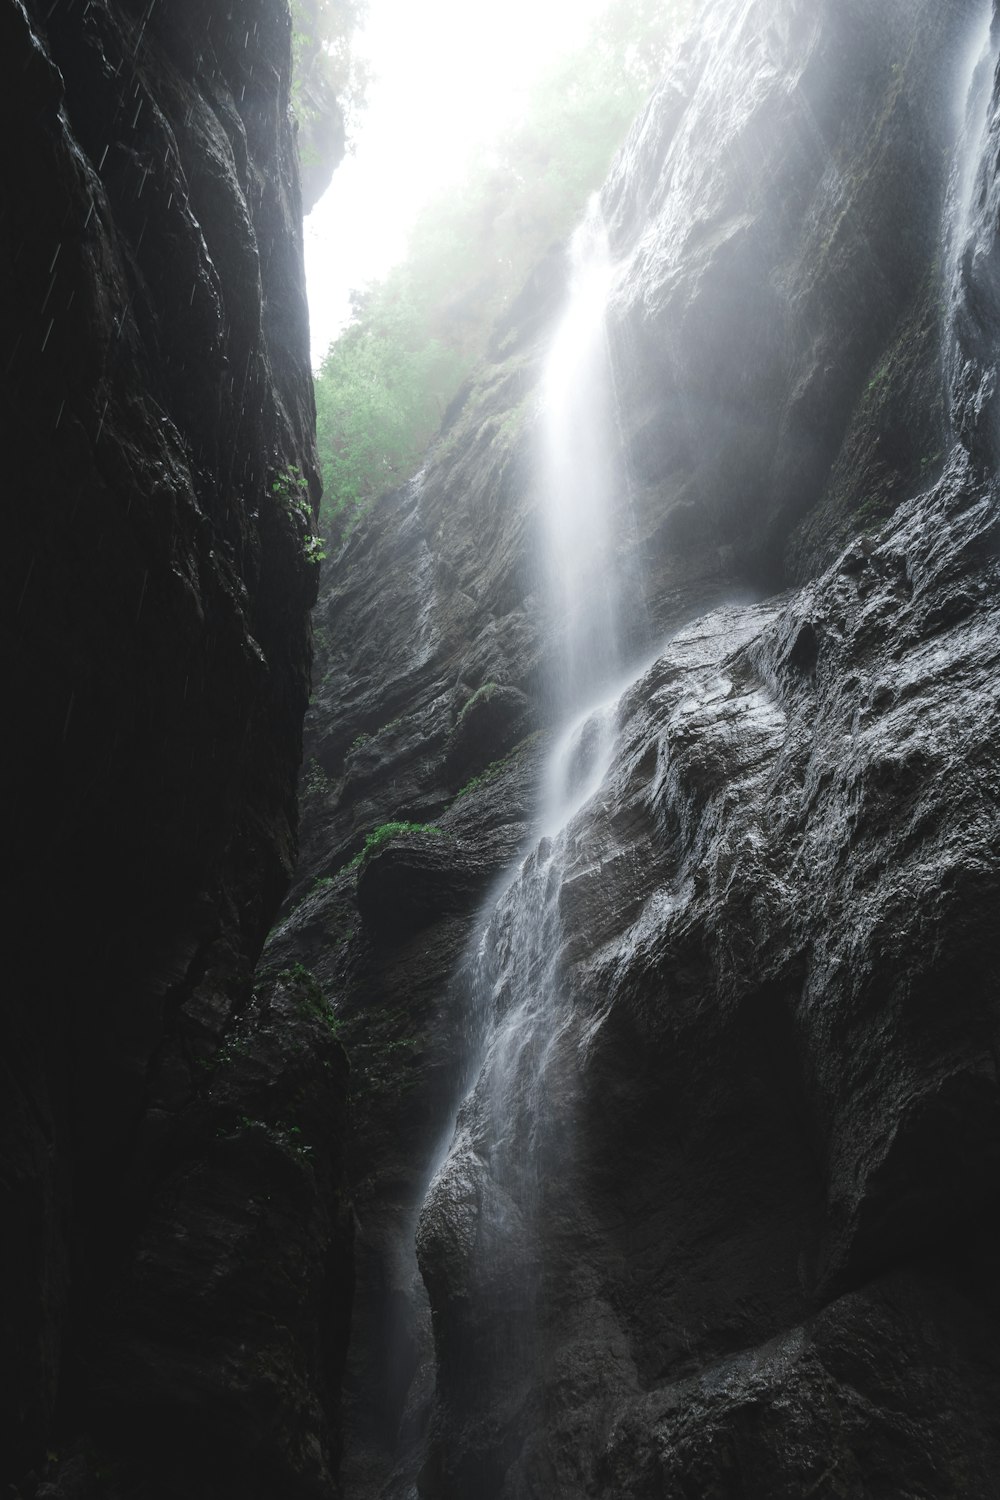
{"points": [[449, 73]]}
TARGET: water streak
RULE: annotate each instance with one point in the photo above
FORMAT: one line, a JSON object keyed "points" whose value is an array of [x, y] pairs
{"points": [[517, 975], [581, 472], [969, 233]]}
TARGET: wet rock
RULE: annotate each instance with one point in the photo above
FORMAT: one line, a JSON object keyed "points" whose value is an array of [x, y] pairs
{"points": [[158, 427], [491, 723], [801, 1080], [416, 879], [821, 253]]}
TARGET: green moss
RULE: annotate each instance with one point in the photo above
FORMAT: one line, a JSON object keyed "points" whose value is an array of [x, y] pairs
{"points": [[309, 996], [481, 695], [364, 738], [388, 831]]}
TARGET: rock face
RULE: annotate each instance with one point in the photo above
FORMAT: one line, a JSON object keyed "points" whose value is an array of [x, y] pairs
{"points": [[719, 1220], [175, 1266]]}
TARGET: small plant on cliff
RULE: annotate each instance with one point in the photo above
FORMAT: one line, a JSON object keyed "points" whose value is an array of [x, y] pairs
{"points": [[497, 767], [316, 783], [309, 995], [291, 490], [280, 1133], [481, 695]]}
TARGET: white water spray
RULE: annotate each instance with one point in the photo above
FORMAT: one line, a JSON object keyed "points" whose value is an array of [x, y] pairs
{"points": [[581, 474], [518, 975], [582, 496]]}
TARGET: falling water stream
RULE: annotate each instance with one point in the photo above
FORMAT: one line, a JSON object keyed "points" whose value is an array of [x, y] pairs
{"points": [[582, 484], [582, 475], [521, 1004]]}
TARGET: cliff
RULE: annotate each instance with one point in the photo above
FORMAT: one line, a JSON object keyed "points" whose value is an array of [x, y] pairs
{"points": [[175, 1262], [719, 1210]]}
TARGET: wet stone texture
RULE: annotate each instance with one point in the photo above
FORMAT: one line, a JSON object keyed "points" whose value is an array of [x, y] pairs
{"points": [[773, 1102], [174, 1262], [743, 1245]]}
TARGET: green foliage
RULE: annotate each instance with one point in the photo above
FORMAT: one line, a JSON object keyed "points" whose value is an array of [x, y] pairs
{"points": [[389, 831], [298, 974], [381, 390], [384, 385], [323, 56], [281, 1133], [290, 489], [364, 738], [309, 995], [316, 784]]}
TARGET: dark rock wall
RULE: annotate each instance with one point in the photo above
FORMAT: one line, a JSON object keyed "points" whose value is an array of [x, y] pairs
{"points": [[173, 1263], [779, 209], [768, 1205]]}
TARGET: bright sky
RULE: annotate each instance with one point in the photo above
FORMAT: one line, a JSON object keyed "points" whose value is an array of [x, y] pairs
{"points": [[449, 72]]}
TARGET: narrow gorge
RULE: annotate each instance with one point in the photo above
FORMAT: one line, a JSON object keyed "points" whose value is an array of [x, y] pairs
{"points": [[591, 1091]]}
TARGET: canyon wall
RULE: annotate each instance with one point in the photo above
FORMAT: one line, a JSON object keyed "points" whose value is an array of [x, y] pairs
{"points": [[753, 1257], [175, 1264]]}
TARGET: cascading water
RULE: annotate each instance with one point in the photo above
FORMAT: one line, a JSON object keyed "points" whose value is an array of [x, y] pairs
{"points": [[581, 474], [507, 1137]]}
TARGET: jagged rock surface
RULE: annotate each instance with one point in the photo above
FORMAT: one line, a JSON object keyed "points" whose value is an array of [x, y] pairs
{"points": [[175, 1266], [759, 1261]]}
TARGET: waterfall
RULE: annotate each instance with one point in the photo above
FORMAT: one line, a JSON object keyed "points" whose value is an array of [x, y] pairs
{"points": [[582, 500], [508, 1135]]}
